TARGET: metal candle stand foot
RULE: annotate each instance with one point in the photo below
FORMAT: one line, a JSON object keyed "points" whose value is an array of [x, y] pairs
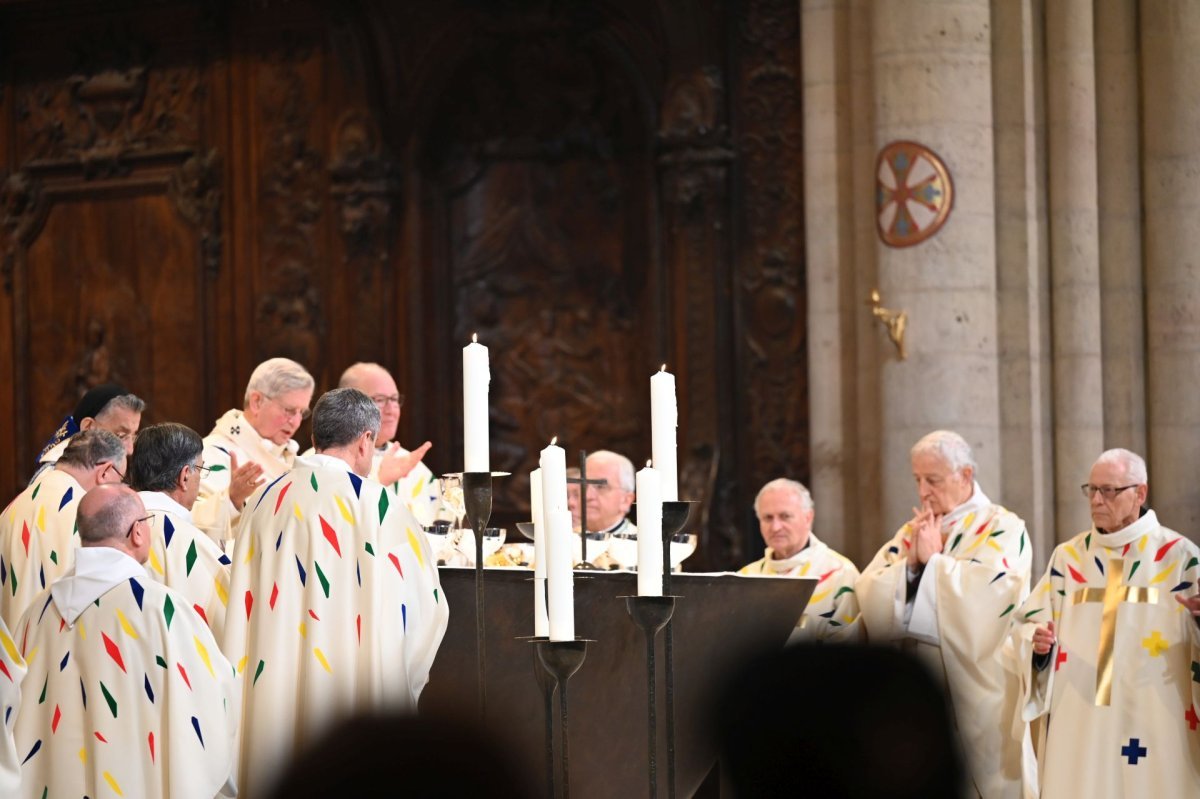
{"points": [[560, 659], [477, 502], [651, 614], [675, 515]]}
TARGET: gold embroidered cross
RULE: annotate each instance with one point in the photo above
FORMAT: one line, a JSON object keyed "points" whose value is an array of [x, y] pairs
{"points": [[1112, 595]]}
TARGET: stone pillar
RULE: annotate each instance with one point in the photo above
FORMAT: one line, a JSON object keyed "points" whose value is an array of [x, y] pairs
{"points": [[933, 72], [1171, 167], [1074, 257]]}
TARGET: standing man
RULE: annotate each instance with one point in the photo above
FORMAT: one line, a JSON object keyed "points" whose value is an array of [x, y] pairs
{"points": [[127, 692], [165, 471], [943, 587], [251, 444], [785, 516], [1108, 649], [338, 607], [108, 407], [37, 529]]}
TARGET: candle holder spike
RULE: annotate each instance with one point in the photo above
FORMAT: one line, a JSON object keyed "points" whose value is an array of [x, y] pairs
{"points": [[561, 659], [651, 614], [477, 505]]}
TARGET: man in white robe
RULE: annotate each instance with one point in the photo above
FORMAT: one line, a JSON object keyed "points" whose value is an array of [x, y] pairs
{"points": [[943, 587], [37, 529], [12, 671], [165, 471], [252, 445], [107, 407], [127, 692], [1108, 649], [785, 515], [336, 606]]}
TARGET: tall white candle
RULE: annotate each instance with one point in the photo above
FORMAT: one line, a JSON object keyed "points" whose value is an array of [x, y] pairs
{"points": [[664, 418], [553, 462], [560, 579], [476, 376], [541, 622], [649, 536]]}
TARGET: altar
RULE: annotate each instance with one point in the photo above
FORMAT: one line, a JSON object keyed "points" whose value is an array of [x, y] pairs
{"points": [[721, 621]]}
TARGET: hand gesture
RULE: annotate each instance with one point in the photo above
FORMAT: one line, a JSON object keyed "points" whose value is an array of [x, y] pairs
{"points": [[1044, 639], [1192, 603], [926, 529], [394, 467], [242, 480]]}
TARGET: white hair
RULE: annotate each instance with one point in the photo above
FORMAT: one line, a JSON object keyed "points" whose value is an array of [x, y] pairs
{"points": [[624, 467], [784, 484], [1135, 466], [277, 376], [947, 445]]}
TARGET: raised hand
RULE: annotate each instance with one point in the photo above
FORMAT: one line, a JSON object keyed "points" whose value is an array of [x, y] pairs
{"points": [[394, 467], [242, 480], [926, 529]]}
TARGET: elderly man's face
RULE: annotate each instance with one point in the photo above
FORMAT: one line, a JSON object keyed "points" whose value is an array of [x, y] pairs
{"points": [[939, 488], [278, 418], [573, 504], [606, 504], [1122, 510], [784, 522], [381, 388], [121, 422]]}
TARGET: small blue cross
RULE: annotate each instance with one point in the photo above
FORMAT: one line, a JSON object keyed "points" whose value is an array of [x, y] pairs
{"points": [[1133, 751]]}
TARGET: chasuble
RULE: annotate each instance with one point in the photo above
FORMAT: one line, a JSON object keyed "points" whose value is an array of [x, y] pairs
{"points": [[956, 622], [12, 670], [335, 607], [1121, 687], [127, 692]]}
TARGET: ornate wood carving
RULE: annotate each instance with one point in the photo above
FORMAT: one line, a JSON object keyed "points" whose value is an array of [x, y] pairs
{"points": [[366, 186], [24, 207], [195, 189]]}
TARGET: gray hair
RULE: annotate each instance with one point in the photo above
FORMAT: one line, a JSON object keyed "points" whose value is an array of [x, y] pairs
{"points": [[342, 415], [159, 454], [949, 446], [277, 376], [784, 484], [1135, 466], [625, 477], [111, 520], [130, 402], [89, 448]]}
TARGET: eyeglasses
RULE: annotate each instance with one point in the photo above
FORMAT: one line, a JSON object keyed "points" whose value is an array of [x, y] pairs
{"points": [[201, 468], [120, 474], [383, 400], [146, 518], [288, 411], [1107, 492]]}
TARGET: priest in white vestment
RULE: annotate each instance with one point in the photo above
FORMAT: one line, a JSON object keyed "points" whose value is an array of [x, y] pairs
{"points": [[106, 407], [785, 516], [12, 671], [127, 692], [165, 470], [253, 445], [336, 606], [1108, 649], [944, 587], [37, 529]]}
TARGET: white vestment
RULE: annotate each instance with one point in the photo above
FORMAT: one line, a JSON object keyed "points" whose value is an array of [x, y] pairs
{"points": [[12, 671], [37, 540], [832, 610], [1121, 687], [419, 490], [957, 623], [127, 693], [213, 512], [335, 607], [186, 559]]}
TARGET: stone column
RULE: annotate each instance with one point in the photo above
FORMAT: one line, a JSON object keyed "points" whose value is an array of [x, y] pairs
{"points": [[933, 72], [1171, 167], [1074, 257]]}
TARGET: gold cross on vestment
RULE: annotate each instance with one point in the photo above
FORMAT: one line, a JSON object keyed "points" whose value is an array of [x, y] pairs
{"points": [[1112, 595]]}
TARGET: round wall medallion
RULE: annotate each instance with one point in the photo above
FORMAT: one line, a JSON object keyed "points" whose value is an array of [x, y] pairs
{"points": [[913, 193]]}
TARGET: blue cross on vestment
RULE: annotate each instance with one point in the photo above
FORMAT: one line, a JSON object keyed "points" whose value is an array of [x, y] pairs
{"points": [[1133, 751]]}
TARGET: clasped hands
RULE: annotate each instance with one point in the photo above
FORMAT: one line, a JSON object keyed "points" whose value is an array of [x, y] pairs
{"points": [[926, 527]]}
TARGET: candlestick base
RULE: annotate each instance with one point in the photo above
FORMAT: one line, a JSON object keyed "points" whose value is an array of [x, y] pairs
{"points": [[561, 659], [651, 614]]}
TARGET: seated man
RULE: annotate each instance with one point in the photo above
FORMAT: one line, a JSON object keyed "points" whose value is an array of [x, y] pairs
{"points": [[128, 693], [165, 471], [943, 587], [108, 407], [1105, 649], [249, 445], [785, 516], [37, 530], [339, 606], [607, 503], [395, 467]]}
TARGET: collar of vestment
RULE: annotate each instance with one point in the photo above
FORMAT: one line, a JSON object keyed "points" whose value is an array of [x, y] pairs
{"points": [[1146, 524], [318, 461], [781, 565], [975, 504], [156, 500], [97, 571], [234, 426], [620, 527]]}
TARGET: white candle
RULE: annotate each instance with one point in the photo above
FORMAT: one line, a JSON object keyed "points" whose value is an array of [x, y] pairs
{"points": [[560, 579], [664, 418], [541, 622], [553, 462], [649, 535], [476, 376]]}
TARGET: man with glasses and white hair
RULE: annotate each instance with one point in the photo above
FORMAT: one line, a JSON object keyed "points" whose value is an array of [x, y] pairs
{"points": [[785, 515], [1108, 648], [253, 444], [106, 407], [37, 529], [127, 692], [943, 588], [165, 470]]}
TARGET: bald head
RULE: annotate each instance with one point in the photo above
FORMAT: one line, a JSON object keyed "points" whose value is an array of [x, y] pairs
{"points": [[106, 513], [377, 383]]}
